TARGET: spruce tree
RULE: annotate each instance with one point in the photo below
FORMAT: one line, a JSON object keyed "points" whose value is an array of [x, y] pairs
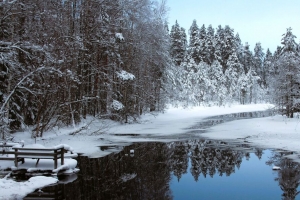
{"points": [[234, 70], [258, 62], [286, 82], [209, 45], [194, 43], [178, 43], [268, 72]]}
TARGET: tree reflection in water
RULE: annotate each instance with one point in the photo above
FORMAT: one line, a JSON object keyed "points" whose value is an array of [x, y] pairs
{"points": [[288, 176], [147, 173]]}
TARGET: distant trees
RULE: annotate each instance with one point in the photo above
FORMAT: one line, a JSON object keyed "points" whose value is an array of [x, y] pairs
{"points": [[217, 68]]}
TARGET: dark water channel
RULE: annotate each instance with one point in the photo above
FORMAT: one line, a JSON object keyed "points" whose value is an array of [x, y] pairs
{"points": [[219, 119], [186, 169]]}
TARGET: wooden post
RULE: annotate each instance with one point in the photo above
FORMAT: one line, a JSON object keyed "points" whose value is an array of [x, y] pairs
{"points": [[16, 157], [55, 158], [62, 151]]}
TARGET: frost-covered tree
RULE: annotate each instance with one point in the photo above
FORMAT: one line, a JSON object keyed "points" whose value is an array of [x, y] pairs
{"points": [[233, 71], [258, 62], [239, 47], [286, 83], [209, 45], [220, 46], [217, 87], [247, 59], [202, 44], [178, 43], [268, 67], [194, 42], [229, 44]]}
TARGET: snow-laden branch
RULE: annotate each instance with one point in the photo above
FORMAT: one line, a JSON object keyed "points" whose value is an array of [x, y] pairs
{"points": [[22, 80]]}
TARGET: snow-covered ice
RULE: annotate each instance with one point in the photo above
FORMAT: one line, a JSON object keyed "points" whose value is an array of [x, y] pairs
{"points": [[275, 132], [11, 189]]}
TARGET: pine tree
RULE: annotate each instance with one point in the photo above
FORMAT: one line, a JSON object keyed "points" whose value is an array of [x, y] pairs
{"points": [[247, 59], [258, 62], [202, 45], [233, 71], [230, 44], [194, 42], [219, 46], [178, 43], [239, 47], [217, 87], [286, 84], [268, 72], [209, 45]]}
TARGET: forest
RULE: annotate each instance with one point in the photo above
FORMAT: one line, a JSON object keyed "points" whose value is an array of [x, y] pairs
{"points": [[64, 60]]}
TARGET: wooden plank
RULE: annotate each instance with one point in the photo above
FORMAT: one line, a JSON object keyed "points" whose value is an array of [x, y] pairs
{"points": [[6, 146], [16, 157], [20, 153], [6, 152], [36, 157], [35, 149], [7, 158], [55, 159], [62, 153]]}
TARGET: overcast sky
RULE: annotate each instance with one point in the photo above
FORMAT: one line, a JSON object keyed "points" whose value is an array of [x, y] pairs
{"points": [[261, 21]]}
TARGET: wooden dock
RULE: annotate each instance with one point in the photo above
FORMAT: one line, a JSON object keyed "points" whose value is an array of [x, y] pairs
{"points": [[20, 154]]}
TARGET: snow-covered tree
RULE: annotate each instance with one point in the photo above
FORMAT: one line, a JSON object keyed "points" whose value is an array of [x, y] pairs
{"points": [[247, 59], [178, 43], [209, 45], [233, 71], [258, 62], [194, 42], [286, 83], [268, 67], [219, 46], [217, 86]]}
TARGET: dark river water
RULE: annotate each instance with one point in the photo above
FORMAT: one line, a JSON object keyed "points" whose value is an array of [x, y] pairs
{"points": [[186, 169]]}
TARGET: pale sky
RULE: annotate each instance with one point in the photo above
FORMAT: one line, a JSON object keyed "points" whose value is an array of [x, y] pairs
{"points": [[261, 21]]}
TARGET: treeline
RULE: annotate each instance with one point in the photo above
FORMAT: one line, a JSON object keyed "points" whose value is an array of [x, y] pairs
{"points": [[61, 60], [214, 67]]}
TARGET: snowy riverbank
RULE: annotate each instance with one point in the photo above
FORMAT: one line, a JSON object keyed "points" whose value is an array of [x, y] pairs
{"points": [[171, 123]]}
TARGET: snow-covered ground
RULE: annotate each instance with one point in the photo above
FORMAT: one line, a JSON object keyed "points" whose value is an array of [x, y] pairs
{"points": [[171, 123], [277, 132], [271, 132], [11, 189]]}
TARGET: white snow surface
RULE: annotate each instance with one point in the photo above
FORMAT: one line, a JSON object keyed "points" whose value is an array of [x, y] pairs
{"points": [[117, 105], [11, 189], [277, 132], [125, 76]]}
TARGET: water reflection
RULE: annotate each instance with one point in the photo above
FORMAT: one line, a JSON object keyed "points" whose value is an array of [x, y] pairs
{"points": [[288, 176], [147, 173]]}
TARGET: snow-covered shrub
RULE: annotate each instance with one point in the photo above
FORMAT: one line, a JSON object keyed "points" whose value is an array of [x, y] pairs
{"points": [[116, 105]]}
